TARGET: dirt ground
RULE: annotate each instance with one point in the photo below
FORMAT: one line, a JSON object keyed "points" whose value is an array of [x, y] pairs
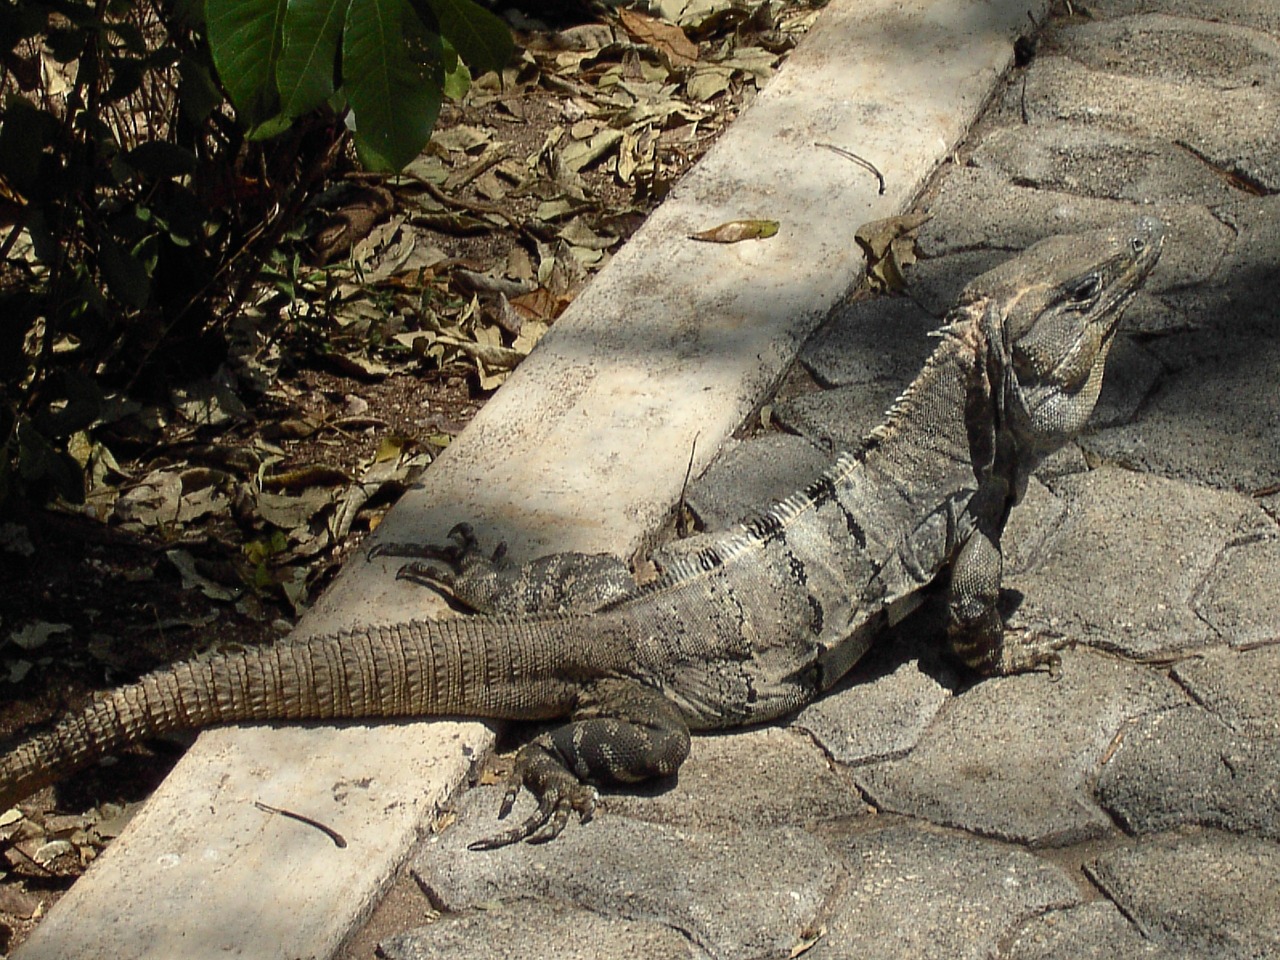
{"points": [[218, 527]]}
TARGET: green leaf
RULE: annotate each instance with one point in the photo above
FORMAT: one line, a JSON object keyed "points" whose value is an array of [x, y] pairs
{"points": [[161, 159], [304, 74], [481, 39], [200, 95], [125, 274], [394, 97], [245, 39], [457, 78]]}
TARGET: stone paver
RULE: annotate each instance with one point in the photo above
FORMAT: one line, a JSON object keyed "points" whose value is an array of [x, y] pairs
{"points": [[1187, 768], [1209, 892], [1016, 757], [533, 930], [1240, 688], [750, 474], [1090, 930], [875, 719], [1123, 569], [736, 894], [759, 778], [934, 896]]}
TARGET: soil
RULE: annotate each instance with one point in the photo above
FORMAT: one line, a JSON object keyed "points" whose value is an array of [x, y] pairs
{"points": [[113, 600]]}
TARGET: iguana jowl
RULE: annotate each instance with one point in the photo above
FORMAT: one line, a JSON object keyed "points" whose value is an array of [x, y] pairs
{"points": [[746, 629]]}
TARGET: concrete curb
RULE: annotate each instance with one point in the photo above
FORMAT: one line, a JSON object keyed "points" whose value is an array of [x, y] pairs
{"points": [[584, 449]]}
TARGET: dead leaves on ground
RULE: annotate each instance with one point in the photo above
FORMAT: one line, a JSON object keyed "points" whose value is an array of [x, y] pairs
{"points": [[633, 102], [889, 246]]}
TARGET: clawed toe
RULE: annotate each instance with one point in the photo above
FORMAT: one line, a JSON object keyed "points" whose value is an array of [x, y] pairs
{"points": [[545, 823]]}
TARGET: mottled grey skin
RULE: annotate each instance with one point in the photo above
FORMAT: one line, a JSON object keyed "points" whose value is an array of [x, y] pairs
{"points": [[749, 628]]}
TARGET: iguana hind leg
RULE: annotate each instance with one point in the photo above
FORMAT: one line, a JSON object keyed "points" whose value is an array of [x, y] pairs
{"points": [[492, 585], [622, 732]]}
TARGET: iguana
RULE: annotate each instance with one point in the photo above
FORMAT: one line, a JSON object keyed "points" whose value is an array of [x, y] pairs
{"points": [[747, 628]]}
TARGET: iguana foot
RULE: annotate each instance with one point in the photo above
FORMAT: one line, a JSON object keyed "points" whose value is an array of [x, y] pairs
{"points": [[492, 585], [558, 793], [445, 562], [621, 732]]}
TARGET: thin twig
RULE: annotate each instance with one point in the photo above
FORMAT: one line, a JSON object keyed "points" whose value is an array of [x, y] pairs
{"points": [[338, 839], [861, 161]]}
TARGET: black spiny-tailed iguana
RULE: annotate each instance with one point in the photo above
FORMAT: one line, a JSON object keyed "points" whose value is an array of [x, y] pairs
{"points": [[744, 630]]}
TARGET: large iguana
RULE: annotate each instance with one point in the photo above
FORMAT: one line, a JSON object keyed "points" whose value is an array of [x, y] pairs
{"points": [[749, 627]]}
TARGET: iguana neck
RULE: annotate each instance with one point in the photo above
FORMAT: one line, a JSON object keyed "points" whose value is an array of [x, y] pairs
{"points": [[944, 425]]}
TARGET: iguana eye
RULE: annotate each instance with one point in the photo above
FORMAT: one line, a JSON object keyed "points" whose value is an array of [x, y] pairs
{"points": [[1086, 290]]}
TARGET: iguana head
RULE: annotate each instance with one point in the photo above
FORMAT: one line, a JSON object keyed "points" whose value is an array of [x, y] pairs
{"points": [[1050, 316]]}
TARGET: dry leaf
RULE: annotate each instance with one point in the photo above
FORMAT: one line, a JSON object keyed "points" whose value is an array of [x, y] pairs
{"points": [[738, 230], [890, 245], [666, 38]]}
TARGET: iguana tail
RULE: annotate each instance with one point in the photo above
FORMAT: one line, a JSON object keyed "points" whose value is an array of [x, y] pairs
{"points": [[508, 669]]}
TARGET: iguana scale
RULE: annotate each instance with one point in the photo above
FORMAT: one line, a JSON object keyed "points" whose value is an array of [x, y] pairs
{"points": [[745, 629]]}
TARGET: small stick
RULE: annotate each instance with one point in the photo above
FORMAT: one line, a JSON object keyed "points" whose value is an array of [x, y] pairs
{"points": [[862, 161], [338, 839]]}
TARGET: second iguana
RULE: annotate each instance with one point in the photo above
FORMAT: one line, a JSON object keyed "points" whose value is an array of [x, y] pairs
{"points": [[754, 624]]}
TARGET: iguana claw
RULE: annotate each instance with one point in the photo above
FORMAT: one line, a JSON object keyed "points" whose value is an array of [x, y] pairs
{"points": [[442, 566], [558, 794]]}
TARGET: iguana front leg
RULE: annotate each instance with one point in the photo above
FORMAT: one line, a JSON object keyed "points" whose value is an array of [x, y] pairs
{"points": [[975, 628], [620, 732], [490, 584]]}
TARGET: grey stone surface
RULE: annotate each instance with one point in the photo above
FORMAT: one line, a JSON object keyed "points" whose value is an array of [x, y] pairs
{"points": [[1187, 767], [1215, 421], [928, 895], [1015, 757], [976, 208], [745, 780], [1123, 569], [1132, 373], [1236, 301], [546, 930], [1217, 55], [1097, 162], [1240, 687], [884, 339], [936, 282], [878, 716], [1211, 893], [1240, 599], [735, 894], [1233, 129], [838, 419], [1086, 932], [750, 474], [1038, 514], [1262, 14]]}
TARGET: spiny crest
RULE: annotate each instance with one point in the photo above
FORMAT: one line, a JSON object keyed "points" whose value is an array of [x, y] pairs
{"points": [[754, 533], [961, 339]]}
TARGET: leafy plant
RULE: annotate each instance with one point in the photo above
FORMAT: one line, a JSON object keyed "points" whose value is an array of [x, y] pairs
{"points": [[137, 207], [388, 61]]}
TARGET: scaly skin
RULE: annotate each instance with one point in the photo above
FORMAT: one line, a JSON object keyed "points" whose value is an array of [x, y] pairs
{"points": [[753, 625]]}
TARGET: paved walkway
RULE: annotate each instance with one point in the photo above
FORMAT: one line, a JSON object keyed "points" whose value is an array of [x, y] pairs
{"points": [[1132, 807]]}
